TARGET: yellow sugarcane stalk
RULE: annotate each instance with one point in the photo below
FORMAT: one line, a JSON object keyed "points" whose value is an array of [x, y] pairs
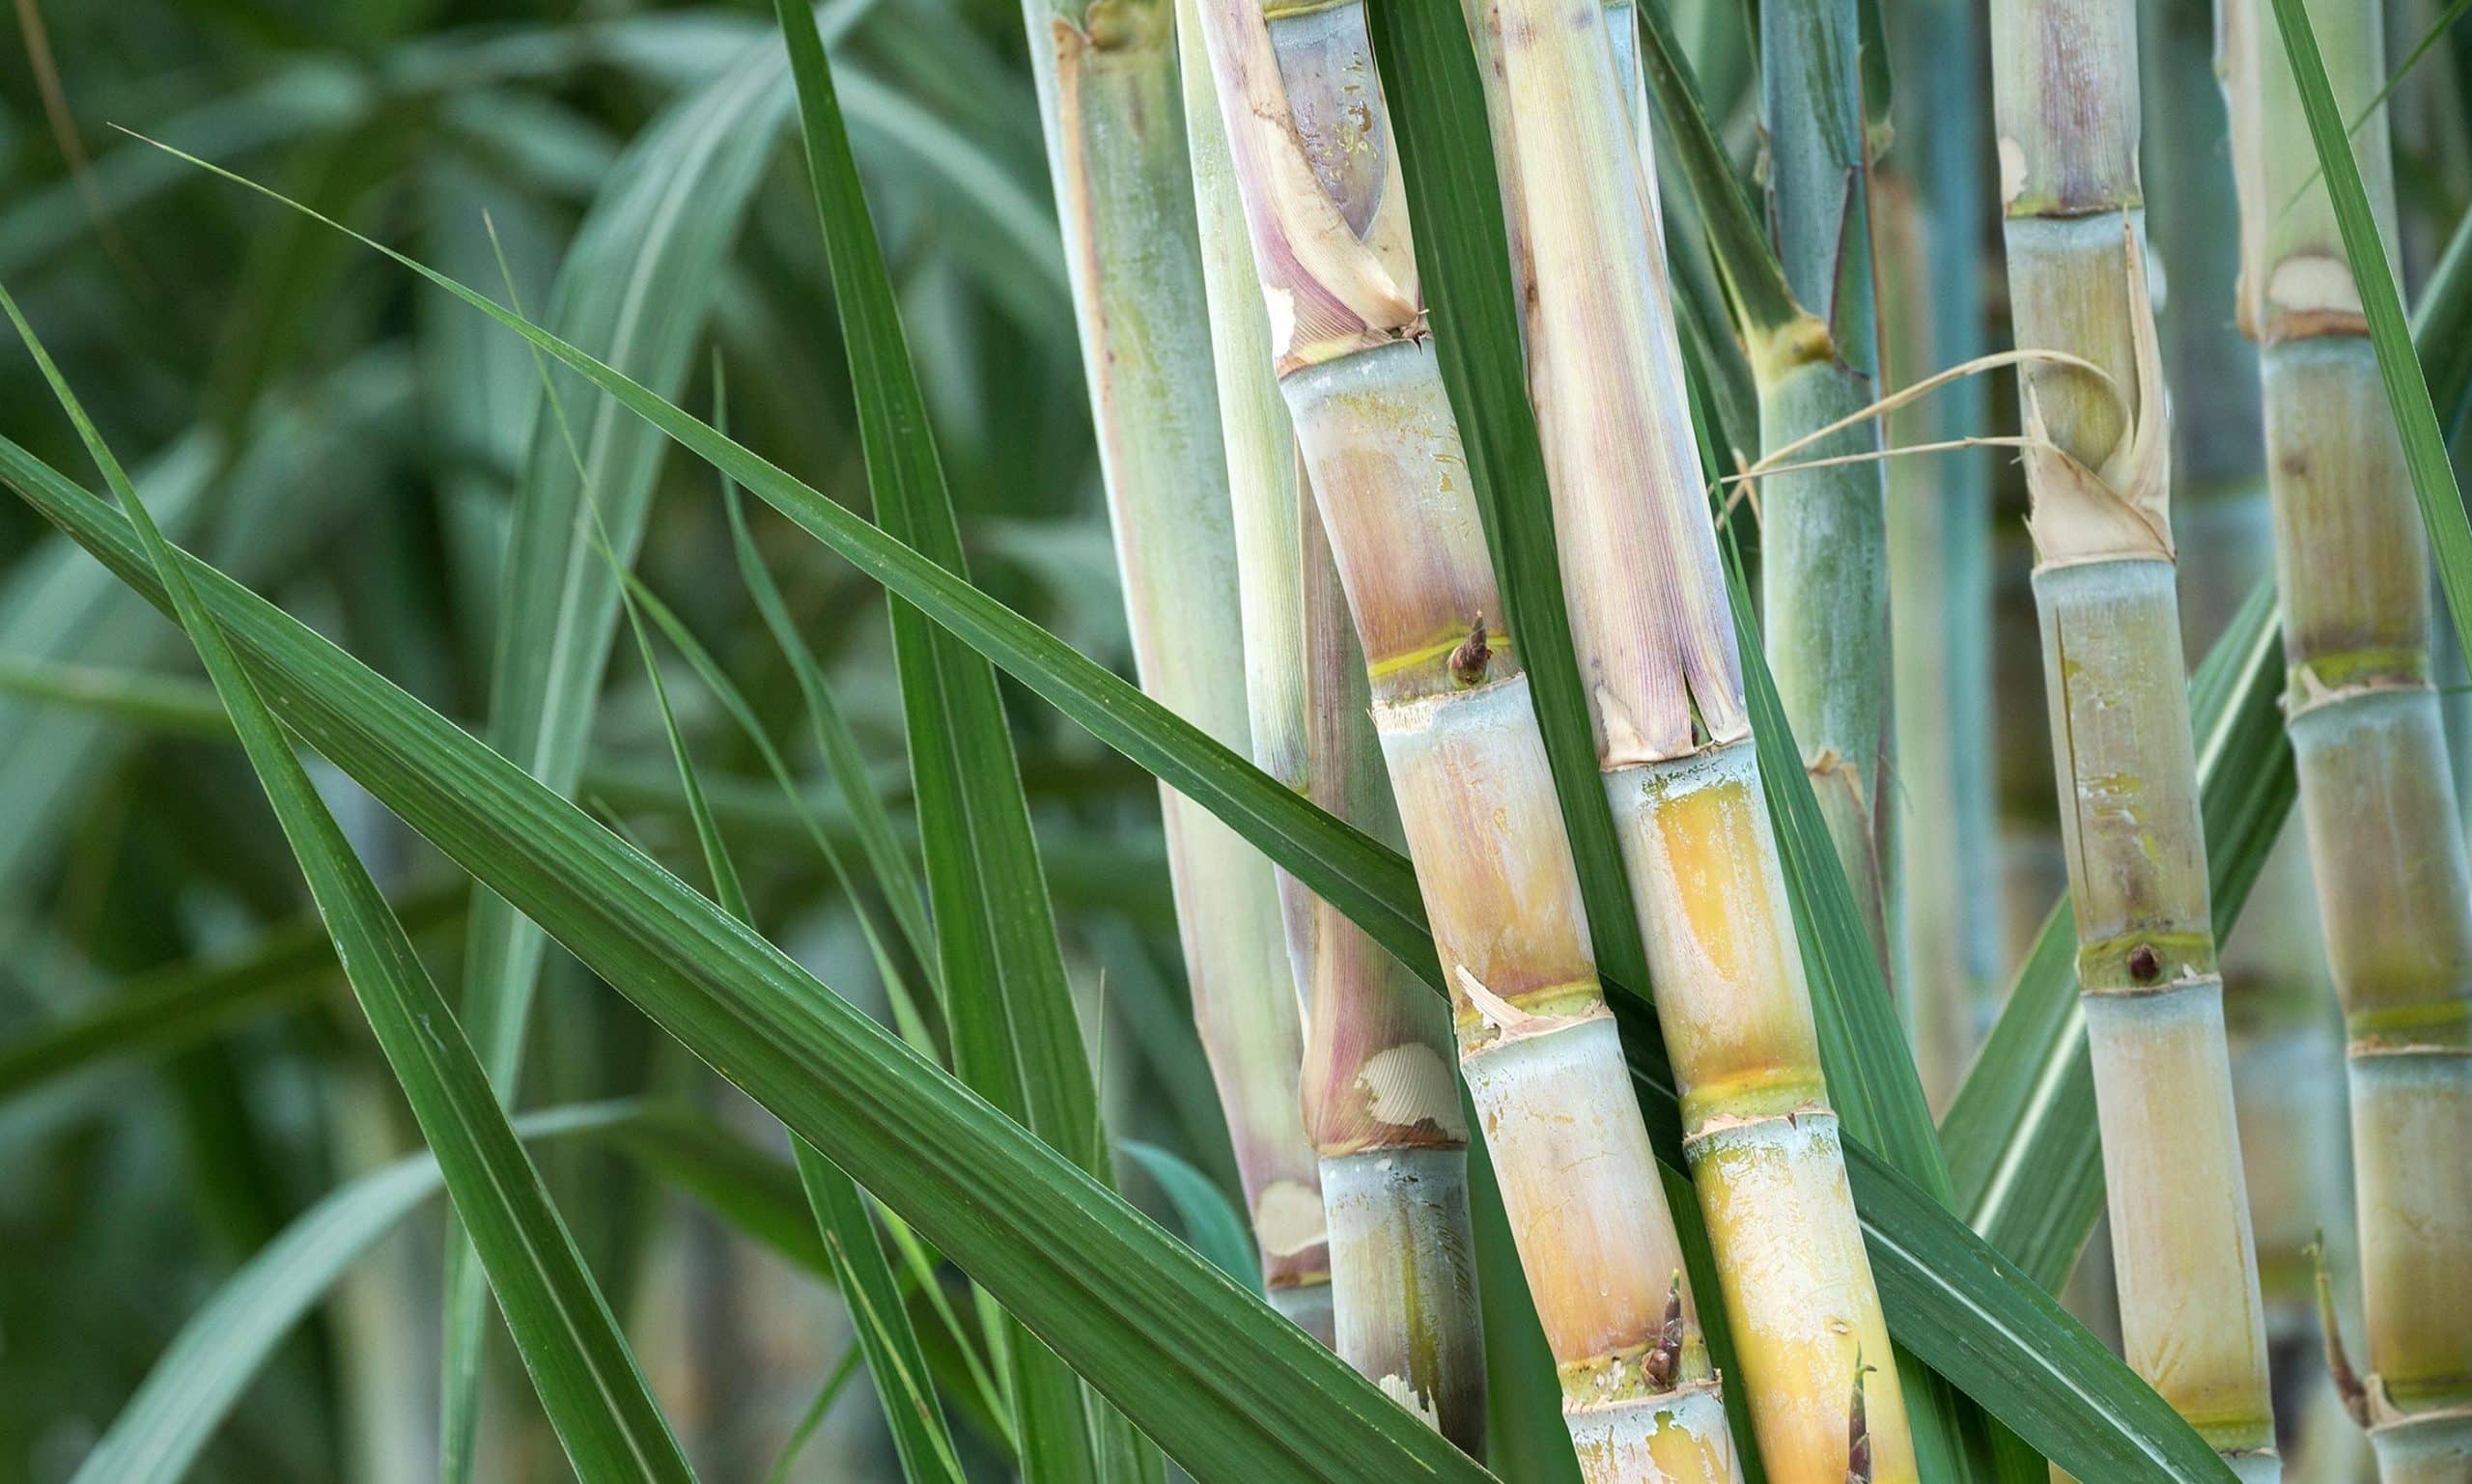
{"points": [[1324, 205], [1655, 644]]}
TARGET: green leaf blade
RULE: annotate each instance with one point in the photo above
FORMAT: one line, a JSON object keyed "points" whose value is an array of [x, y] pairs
{"points": [[589, 1383]]}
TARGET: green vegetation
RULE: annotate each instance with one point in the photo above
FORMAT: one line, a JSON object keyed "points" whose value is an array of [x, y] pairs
{"points": [[1110, 740]]}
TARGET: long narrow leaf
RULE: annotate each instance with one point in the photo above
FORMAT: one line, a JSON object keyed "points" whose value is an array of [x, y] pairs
{"points": [[835, 742], [195, 1383], [589, 1384], [1017, 1039], [858, 1256], [176, 1007], [638, 284], [1763, 304], [1232, 1390], [1371, 883], [2106, 1427]]}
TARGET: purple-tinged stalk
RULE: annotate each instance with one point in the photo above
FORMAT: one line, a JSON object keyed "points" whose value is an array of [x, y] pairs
{"points": [[1324, 203], [1381, 1102], [1655, 642]]}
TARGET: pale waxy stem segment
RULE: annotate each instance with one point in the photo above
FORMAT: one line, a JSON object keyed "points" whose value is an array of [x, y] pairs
{"points": [[1109, 96], [1824, 561], [2286, 1058], [1380, 1100], [2192, 1321], [1653, 632], [1467, 763], [1404, 1278], [2098, 474], [2376, 794]]}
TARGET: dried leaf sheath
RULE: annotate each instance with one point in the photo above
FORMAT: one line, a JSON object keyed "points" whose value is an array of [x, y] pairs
{"points": [[1380, 1101], [1466, 759], [1650, 619], [2192, 1321], [2375, 792], [1116, 146]]}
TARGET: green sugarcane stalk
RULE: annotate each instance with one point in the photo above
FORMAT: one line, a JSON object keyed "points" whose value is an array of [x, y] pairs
{"points": [[2098, 471], [2286, 1058], [1824, 546], [1381, 1104], [1326, 210], [1929, 199], [1114, 122], [2375, 792]]}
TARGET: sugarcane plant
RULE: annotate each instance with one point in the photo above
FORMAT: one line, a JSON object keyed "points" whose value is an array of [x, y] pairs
{"points": [[1824, 565], [2285, 1055], [1324, 205], [2098, 472], [1335, 662], [1114, 124], [1381, 1102], [2375, 791], [1929, 197], [1654, 637]]}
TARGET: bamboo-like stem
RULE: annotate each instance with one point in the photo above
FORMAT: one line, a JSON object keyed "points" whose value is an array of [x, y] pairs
{"points": [[1381, 1104], [1325, 204], [2375, 791], [2065, 100], [1114, 124], [2286, 1058], [1824, 545], [1655, 642], [1929, 200]]}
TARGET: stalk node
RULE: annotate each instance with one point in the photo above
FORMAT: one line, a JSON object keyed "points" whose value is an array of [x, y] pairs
{"points": [[1858, 1431], [1469, 661], [2143, 963], [1665, 1359]]}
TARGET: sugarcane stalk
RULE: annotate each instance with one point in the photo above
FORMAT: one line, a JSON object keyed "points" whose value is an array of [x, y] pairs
{"points": [[1928, 198], [1114, 124], [1325, 207], [1381, 1104], [2286, 1056], [2377, 795], [1824, 546], [2098, 470], [1655, 643]]}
